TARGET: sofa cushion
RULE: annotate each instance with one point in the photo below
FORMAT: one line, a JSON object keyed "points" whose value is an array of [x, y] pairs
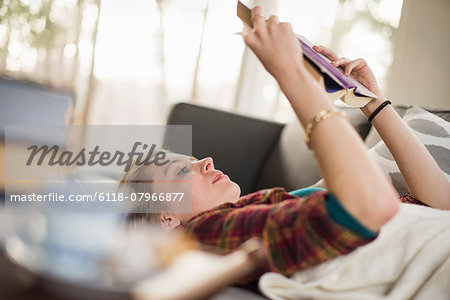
{"points": [[431, 130], [373, 138]]}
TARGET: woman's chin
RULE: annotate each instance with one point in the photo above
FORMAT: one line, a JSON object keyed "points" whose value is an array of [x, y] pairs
{"points": [[236, 191], [231, 191]]}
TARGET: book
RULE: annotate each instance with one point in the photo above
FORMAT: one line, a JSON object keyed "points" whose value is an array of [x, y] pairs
{"points": [[336, 84]]}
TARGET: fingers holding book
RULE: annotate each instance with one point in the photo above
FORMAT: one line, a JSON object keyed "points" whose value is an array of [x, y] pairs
{"points": [[327, 52], [346, 64], [357, 68], [336, 61], [272, 20], [274, 43], [350, 66], [257, 16]]}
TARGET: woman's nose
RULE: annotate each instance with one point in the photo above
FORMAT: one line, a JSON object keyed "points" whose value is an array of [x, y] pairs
{"points": [[206, 165]]}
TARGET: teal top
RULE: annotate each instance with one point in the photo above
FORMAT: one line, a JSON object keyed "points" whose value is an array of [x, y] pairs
{"points": [[337, 212]]}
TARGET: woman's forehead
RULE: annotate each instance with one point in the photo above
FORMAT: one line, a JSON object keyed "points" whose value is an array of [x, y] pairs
{"points": [[177, 156]]}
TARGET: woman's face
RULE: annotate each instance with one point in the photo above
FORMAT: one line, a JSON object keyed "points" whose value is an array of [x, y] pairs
{"points": [[209, 187]]}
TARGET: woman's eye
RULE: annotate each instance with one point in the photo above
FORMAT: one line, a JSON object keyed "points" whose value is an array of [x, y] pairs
{"points": [[182, 171]]}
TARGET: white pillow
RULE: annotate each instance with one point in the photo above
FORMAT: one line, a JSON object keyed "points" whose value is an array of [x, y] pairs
{"points": [[432, 131]]}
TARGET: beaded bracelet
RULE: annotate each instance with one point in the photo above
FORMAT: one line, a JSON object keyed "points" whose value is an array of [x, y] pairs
{"points": [[376, 111], [322, 115]]}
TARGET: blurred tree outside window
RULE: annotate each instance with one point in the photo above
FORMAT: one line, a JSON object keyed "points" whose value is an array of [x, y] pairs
{"points": [[129, 61], [49, 42]]}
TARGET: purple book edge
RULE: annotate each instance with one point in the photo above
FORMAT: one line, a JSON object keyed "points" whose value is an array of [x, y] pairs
{"points": [[333, 72]]}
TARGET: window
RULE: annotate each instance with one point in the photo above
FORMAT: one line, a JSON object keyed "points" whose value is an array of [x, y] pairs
{"points": [[134, 60]]}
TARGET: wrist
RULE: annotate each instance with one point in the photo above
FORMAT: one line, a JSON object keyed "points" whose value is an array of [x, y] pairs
{"points": [[370, 107], [294, 72], [293, 78]]}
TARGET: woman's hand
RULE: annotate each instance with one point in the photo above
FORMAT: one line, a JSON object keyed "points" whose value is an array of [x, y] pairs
{"points": [[358, 68], [275, 45]]}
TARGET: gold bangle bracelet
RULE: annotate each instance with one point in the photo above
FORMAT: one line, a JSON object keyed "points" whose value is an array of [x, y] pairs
{"points": [[322, 115]]}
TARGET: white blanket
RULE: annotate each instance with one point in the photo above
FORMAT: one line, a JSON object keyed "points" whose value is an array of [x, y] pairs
{"points": [[410, 259]]}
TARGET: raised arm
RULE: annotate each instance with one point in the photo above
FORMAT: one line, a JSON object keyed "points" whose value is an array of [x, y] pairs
{"points": [[343, 160], [422, 175]]}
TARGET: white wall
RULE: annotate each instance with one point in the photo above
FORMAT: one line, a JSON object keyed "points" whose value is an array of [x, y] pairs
{"points": [[420, 72]]}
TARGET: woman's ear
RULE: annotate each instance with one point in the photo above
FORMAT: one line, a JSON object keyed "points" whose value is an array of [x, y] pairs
{"points": [[169, 222]]}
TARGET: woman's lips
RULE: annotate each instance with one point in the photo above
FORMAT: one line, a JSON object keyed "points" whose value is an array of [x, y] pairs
{"points": [[218, 175]]}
